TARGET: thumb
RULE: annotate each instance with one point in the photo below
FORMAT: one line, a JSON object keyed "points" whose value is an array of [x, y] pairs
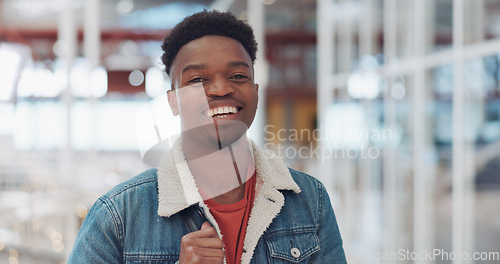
{"points": [[205, 225]]}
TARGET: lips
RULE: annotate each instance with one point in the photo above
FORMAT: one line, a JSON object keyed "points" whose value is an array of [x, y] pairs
{"points": [[221, 111]]}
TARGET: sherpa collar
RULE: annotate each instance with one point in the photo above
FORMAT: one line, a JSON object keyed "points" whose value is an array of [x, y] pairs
{"points": [[177, 189]]}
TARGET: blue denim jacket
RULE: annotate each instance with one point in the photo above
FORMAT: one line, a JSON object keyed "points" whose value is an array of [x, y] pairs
{"points": [[292, 220]]}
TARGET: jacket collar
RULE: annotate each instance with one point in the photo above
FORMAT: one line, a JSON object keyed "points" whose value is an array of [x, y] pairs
{"points": [[177, 189]]}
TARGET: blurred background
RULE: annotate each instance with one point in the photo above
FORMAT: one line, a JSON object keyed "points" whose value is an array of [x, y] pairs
{"points": [[393, 104]]}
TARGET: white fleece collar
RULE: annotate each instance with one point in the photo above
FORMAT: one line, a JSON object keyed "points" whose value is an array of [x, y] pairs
{"points": [[177, 189]]}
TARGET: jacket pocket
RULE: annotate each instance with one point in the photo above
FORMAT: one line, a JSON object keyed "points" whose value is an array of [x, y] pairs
{"points": [[292, 247]]}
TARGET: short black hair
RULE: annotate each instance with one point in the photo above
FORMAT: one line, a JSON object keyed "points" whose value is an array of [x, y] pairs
{"points": [[207, 23]]}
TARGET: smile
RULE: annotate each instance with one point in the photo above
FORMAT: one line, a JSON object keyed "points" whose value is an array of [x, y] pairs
{"points": [[221, 112]]}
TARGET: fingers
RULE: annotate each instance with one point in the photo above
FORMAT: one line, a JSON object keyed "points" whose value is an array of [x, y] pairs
{"points": [[205, 252], [202, 246], [206, 230], [203, 242]]}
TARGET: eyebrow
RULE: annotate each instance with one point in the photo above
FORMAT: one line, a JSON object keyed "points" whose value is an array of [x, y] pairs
{"points": [[194, 67], [238, 63], [203, 66]]}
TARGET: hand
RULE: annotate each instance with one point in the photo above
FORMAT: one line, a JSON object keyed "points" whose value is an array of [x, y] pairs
{"points": [[202, 246]]}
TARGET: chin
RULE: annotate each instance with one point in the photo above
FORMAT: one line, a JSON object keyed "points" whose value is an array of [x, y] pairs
{"points": [[230, 131], [211, 137]]}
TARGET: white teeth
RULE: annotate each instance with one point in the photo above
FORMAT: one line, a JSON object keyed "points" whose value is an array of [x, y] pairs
{"points": [[224, 111]]}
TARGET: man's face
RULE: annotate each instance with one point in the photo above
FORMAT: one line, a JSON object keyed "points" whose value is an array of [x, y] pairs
{"points": [[213, 83]]}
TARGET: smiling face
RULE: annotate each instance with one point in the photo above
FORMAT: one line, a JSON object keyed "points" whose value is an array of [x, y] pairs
{"points": [[213, 83]]}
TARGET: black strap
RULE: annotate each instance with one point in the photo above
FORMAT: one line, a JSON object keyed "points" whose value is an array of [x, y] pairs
{"points": [[188, 217]]}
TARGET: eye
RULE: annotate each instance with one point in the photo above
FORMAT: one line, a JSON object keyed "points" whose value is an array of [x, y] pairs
{"points": [[197, 80], [238, 77]]}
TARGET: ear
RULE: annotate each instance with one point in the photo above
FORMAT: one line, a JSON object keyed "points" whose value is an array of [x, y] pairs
{"points": [[257, 89], [172, 101]]}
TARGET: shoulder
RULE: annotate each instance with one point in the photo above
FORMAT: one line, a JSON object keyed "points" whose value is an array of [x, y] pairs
{"points": [[145, 180], [312, 191], [305, 181], [309, 202], [125, 196]]}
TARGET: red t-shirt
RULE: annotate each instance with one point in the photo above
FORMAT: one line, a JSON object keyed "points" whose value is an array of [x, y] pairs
{"points": [[233, 220]]}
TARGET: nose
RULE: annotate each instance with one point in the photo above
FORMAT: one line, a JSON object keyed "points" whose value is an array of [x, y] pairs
{"points": [[218, 87]]}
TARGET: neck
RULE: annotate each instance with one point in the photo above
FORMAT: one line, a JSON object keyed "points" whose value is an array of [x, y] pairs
{"points": [[220, 174]]}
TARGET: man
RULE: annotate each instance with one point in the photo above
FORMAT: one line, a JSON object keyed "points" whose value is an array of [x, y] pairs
{"points": [[215, 197]]}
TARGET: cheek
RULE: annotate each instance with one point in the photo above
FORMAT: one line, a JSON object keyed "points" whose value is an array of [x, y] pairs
{"points": [[254, 97], [192, 98], [252, 101]]}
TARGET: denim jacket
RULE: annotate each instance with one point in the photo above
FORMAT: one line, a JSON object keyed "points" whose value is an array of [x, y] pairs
{"points": [[138, 221]]}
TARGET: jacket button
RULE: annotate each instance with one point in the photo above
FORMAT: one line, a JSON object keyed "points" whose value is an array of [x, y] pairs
{"points": [[295, 252]]}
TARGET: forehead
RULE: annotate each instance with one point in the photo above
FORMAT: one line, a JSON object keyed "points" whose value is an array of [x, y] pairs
{"points": [[210, 50]]}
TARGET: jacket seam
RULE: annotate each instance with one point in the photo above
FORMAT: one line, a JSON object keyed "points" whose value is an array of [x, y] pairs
{"points": [[320, 193], [116, 219], [320, 202], [107, 201], [130, 186], [142, 256], [300, 230]]}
